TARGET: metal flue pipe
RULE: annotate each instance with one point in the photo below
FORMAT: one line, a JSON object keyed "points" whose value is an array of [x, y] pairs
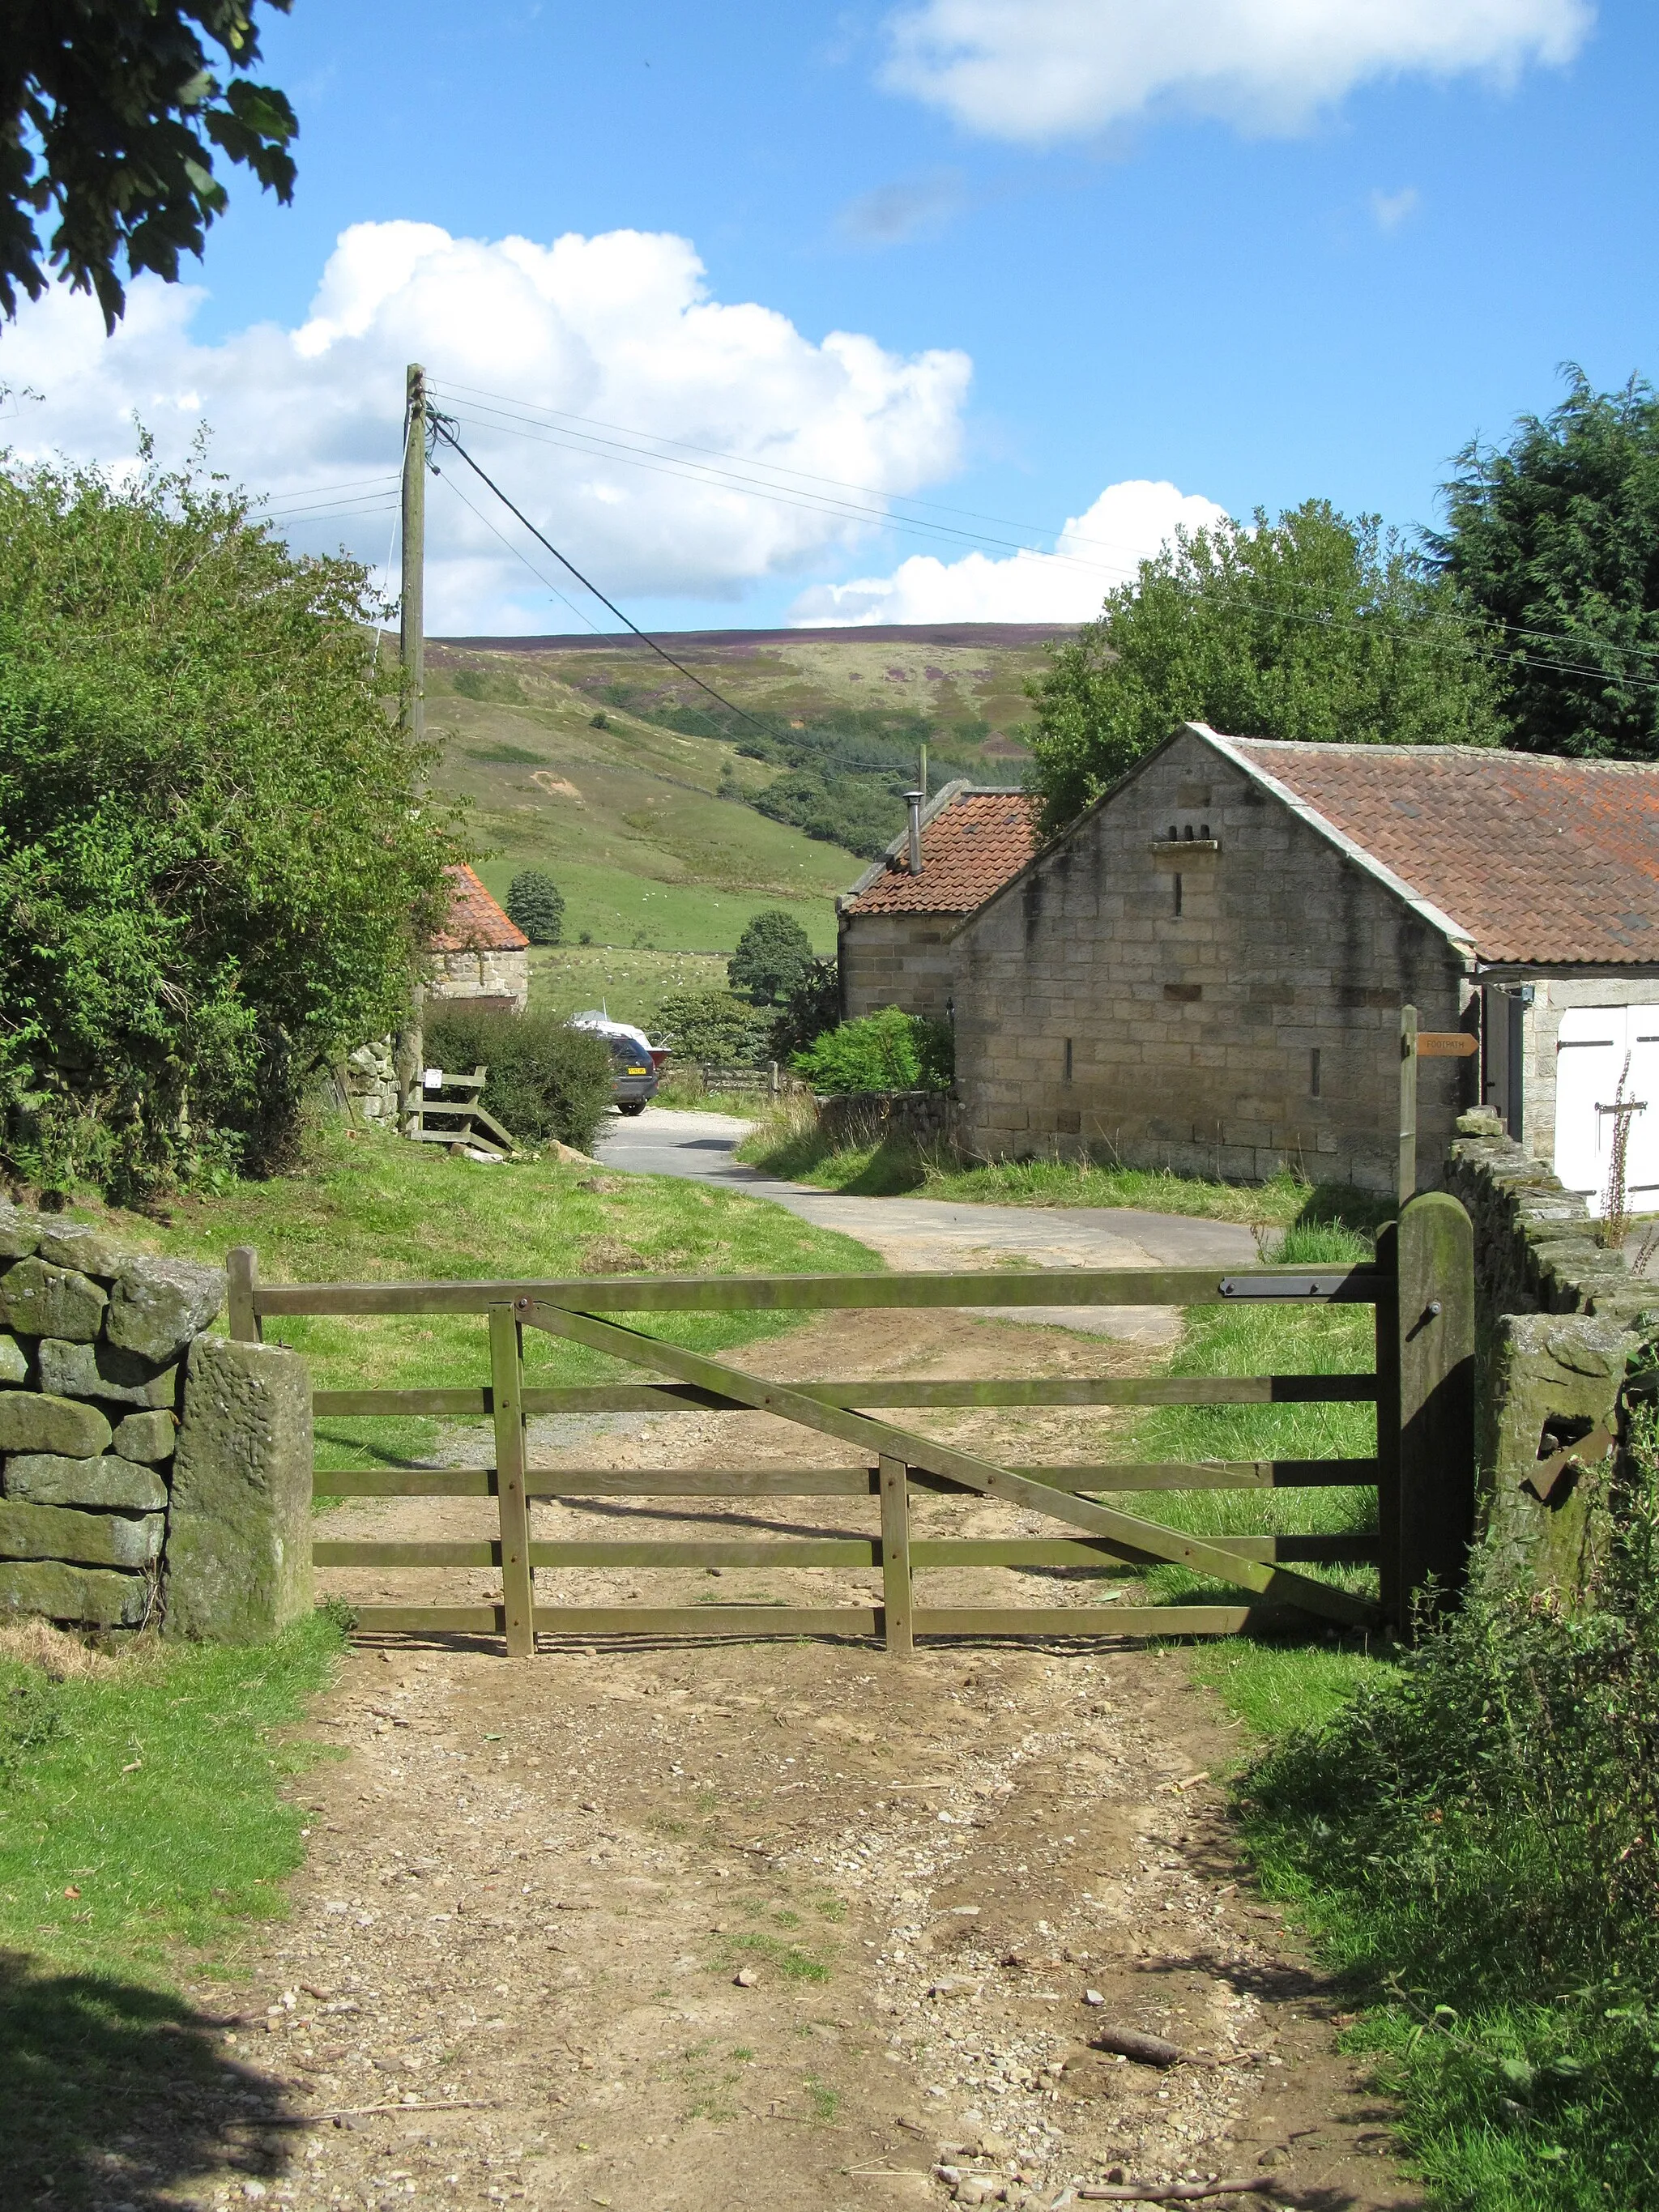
{"points": [[913, 801]]}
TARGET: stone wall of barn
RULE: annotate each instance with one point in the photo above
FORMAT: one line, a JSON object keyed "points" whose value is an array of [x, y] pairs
{"points": [[1197, 979], [896, 960], [503, 975], [150, 1473]]}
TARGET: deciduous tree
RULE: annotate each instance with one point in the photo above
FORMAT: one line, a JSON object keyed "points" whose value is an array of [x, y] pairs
{"points": [[1554, 540], [1313, 627], [110, 112]]}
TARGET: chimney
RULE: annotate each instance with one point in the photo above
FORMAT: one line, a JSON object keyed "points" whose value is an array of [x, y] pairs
{"points": [[912, 799]]}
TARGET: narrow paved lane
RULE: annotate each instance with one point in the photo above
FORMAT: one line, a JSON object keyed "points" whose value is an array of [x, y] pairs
{"points": [[922, 1234]]}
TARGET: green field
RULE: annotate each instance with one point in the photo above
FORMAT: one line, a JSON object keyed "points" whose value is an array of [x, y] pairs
{"points": [[629, 986], [626, 821], [626, 817]]}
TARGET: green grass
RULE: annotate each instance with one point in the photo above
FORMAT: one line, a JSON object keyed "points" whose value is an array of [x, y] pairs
{"points": [[1267, 1339], [787, 1145], [370, 1207], [140, 1822], [630, 984], [152, 1791]]}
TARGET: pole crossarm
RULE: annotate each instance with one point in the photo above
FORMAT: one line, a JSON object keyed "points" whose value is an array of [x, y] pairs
{"points": [[1142, 1540]]}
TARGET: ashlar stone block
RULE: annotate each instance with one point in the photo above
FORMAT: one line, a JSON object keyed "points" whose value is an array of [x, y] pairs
{"points": [[119, 1484], [82, 1597], [91, 1539], [239, 1545], [31, 1421], [38, 1299], [105, 1371], [158, 1305]]}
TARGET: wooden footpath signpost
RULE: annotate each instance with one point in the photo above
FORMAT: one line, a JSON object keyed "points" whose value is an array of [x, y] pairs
{"points": [[1421, 1288]]}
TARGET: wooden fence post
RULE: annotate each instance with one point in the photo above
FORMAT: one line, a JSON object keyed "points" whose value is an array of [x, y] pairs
{"points": [[895, 1557], [1388, 1424], [1406, 1171], [507, 1397], [1434, 1325], [242, 1265]]}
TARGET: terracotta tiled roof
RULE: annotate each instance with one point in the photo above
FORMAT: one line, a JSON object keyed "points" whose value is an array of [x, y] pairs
{"points": [[477, 924], [971, 847], [1537, 860]]}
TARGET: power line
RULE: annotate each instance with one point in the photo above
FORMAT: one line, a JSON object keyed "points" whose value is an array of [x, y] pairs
{"points": [[440, 424], [665, 463], [519, 554]]}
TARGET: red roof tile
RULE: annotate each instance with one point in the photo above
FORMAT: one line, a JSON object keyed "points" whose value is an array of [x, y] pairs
{"points": [[969, 849], [1536, 858], [477, 924]]}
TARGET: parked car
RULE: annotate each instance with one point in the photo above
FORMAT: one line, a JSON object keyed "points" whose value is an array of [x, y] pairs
{"points": [[633, 1059]]}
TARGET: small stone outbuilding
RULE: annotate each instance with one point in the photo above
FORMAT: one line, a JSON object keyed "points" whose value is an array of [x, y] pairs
{"points": [[895, 927], [1205, 972], [481, 956]]}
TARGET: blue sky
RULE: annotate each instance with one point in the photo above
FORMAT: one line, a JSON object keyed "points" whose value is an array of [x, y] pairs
{"points": [[1251, 249]]}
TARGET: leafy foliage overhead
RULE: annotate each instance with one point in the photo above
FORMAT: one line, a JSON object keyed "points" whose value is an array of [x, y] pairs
{"points": [[218, 860], [1313, 627], [770, 956], [109, 115], [1554, 540], [535, 904]]}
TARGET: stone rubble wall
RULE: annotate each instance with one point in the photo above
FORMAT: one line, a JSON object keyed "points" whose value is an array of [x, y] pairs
{"points": [[926, 1117], [131, 1485], [1557, 1317]]}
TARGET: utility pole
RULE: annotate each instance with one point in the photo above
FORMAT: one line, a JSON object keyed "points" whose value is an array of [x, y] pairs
{"points": [[413, 625], [921, 776]]}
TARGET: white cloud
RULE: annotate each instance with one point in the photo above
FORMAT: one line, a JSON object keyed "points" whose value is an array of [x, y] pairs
{"points": [[618, 328], [1127, 525], [1390, 209], [1035, 70]]}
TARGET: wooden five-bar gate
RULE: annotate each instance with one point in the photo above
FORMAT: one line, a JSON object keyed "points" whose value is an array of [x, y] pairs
{"points": [[1421, 1286]]}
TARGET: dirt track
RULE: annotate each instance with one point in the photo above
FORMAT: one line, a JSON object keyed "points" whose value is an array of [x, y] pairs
{"points": [[781, 1925]]}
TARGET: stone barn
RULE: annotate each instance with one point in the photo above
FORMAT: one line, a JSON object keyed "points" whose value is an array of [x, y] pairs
{"points": [[481, 956], [1205, 972], [895, 926]]}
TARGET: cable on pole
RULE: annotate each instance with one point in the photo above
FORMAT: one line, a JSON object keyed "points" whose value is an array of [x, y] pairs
{"points": [[441, 429]]}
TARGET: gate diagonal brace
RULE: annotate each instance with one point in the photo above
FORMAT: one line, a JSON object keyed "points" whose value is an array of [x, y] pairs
{"points": [[1143, 1541]]}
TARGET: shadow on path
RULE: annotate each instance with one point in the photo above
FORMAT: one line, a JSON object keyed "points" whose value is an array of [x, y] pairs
{"points": [[112, 2096]]}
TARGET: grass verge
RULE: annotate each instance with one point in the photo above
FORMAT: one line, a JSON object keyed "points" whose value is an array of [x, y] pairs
{"points": [[364, 1206], [788, 1143], [141, 1817], [1466, 1835], [1267, 1339]]}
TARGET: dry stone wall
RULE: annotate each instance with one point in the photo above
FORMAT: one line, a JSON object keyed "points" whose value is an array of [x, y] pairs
{"points": [[1558, 1317], [144, 1465]]}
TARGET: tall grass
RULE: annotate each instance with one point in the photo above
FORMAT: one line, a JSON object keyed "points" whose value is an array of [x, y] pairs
{"points": [[1473, 1839]]}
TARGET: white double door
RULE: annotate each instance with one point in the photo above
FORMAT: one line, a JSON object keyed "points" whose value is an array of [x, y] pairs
{"points": [[1589, 1057]]}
